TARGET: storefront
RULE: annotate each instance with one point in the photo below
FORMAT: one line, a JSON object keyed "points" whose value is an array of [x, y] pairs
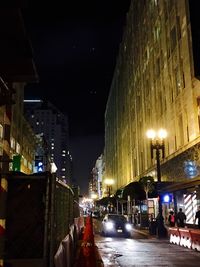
{"points": [[185, 195]]}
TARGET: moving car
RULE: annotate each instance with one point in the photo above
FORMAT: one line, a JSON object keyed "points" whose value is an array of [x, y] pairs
{"points": [[117, 225]]}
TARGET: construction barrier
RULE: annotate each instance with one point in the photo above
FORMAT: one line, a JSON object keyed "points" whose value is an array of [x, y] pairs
{"points": [[65, 255], [186, 237], [78, 248], [174, 235], [195, 235]]}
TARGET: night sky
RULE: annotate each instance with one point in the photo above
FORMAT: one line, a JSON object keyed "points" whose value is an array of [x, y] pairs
{"points": [[75, 50]]}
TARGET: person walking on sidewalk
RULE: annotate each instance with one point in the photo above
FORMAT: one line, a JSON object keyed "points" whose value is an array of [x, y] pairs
{"points": [[181, 218], [197, 216], [171, 219]]}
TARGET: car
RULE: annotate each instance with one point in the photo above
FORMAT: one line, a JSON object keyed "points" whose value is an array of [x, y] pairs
{"points": [[116, 225]]}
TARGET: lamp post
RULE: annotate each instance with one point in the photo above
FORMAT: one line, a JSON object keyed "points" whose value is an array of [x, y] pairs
{"points": [[157, 144]]}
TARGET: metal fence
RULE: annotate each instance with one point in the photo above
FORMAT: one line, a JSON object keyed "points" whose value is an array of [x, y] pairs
{"points": [[39, 213]]}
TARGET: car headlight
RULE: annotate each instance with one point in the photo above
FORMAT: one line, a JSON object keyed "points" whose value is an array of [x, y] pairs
{"points": [[128, 226], [109, 225]]}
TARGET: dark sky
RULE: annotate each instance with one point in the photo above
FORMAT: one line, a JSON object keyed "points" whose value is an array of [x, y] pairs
{"points": [[75, 50]]}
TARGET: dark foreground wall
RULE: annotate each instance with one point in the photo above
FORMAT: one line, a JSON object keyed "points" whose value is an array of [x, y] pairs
{"points": [[39, 212]]}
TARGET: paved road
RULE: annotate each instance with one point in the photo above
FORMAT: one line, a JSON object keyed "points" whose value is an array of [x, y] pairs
{"points": [[143, 251]]}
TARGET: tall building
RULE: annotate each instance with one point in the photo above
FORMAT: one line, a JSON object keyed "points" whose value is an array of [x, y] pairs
{"points": [[95, 185], [46, 119], [17, 69], [156, 85]]}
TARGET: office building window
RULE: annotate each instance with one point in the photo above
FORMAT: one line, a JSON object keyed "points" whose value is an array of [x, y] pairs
{"points": [[178, 80], [198, 106], [18, 148], [173, 38], [1, 131], [12, 143]]}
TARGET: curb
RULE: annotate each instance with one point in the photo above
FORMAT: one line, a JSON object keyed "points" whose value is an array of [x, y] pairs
{"points": [[142, 232]]}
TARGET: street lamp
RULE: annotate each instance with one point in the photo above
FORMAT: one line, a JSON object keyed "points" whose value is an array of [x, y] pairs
{"points": [[157, 144]]}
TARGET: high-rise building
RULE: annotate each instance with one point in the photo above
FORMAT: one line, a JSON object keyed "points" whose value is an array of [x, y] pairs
{"points": [[17, 69], [156, 85], [95, 185], [47, 120]]}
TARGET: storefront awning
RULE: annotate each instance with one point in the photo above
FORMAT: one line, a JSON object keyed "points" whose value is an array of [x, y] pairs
{"points": [[182, 185]]}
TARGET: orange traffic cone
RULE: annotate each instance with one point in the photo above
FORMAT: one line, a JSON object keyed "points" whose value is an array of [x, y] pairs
{"points": [[87, 255], [88, 235]]}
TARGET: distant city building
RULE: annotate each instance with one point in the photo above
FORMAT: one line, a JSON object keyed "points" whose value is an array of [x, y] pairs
{"points": [[95, 184], [48, 121]]}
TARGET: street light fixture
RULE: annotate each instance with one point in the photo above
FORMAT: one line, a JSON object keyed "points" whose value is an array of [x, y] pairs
{"points": [[157, 144]]}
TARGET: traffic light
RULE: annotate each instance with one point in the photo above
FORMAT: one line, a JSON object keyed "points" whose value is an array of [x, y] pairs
{"points": [[16, 163]]}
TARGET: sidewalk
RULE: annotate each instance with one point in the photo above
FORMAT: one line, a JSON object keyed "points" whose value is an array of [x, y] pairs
{"points": [[142, 231], [146, 231]]}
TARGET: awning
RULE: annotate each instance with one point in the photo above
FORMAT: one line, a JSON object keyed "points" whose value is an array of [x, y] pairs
{"points": [[106, 200], [182, 185], [135, 191]]}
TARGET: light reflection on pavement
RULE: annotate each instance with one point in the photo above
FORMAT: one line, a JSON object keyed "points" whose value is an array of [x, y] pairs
{"points": [[140, 252], [108, 253]]}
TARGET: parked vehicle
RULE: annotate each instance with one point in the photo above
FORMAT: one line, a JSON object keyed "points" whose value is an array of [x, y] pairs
{"points": [[116, 225]]}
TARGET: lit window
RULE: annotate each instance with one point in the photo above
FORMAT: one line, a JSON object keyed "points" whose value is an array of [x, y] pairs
{"points": [[25, 162], [12, 143], [63, 169], [1, 131], [18, 148], [30, 166], [37, 123], [64, 151]]}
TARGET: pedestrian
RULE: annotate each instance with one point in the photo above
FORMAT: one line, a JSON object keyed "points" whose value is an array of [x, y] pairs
{"points": [[197, 216], [171, 219], [181, 218]]}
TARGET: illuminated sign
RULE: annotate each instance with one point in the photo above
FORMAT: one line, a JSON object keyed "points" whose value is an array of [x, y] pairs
{"points": [[40, 167], [167, 198]]}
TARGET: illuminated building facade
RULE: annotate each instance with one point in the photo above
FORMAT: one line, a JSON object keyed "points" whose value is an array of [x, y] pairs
{"points": [[155, 85], [95, 184]]}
